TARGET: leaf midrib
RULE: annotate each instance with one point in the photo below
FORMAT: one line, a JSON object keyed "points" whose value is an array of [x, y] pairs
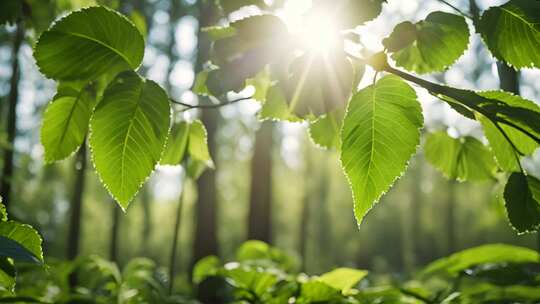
{"points": [[124, 147], [531, 25], [64, 130], [114, 50]]}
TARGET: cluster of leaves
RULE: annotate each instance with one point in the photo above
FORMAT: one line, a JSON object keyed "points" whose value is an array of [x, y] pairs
{"points": [[20, 244], [378, 128], [126, 118], [140, 281], [263, 274]]}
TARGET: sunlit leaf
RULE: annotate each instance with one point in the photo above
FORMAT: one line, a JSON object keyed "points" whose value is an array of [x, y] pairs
{"points": [[324, 131], [459, 158], [439, 41], [380, 133], [230, 6], [175, 150], [343, 278], [492, 253], [65, 123], [88, 43], [205, 267], [348, 14], [20, 242], [128, 133], [522, 197], [512, 32]]}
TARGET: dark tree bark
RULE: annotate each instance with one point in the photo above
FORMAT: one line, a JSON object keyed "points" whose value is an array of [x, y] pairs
{"points": [[205, 239], [115, 229], [147, 221], [176, 233], [451, 216], [7, 171], [260, 205], [74, 229]]}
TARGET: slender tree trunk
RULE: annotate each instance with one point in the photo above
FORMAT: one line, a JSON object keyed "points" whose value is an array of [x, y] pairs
{"points": [[115, 229], [451, 217], [260, 206], [304, 225], [205, 240], [176, 233], [7, 170], [415, 214], [74, 230], [147, 221]]}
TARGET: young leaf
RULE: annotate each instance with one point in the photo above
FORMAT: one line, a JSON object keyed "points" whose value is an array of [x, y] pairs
{"points": [[65, 123], [439, 41], [348, 14], [88, 43], [343, 278], [486, 254], [198, 155], [512, 32], [175, 150], [275, 106], [459, 158], [380, 132], [324, 131], [128, 133], [20, 242], [230, 6], [502, 149], [522, 197]]}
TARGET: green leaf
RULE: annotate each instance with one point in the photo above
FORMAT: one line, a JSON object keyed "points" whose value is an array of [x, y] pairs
{"points": [[439, 41], [205, 267], [502, 149], [348, 14], [7, 274], [230, 6], [275, 106], [177, 143], [257, 41], [219, 32], [88, 43], [343, 278], [459, 158], [380, 132], [139, 21], [485, 254], [403, 35], [316, 84], [324, 131], [512, 32], [522, 197], [261, 83], [3, 211], [20, 242], [315, 291], [199, 158], [253, 279], [128, 134], [65, 123]]}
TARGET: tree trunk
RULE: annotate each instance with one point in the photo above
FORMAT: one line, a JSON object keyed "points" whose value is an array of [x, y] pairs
{"points": [[74, 229], [7, 170], [304, 224], [115, 229], [205, 240], [147, 221], [451, 217], [176, 232], [260, 206]]}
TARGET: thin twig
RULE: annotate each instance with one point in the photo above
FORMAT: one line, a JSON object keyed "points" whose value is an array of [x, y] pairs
{"points": [[466, 15], [208, 106], [516, 151]]}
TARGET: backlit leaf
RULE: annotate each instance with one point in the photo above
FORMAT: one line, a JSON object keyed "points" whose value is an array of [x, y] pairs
{"points": [[512, 32], [459, 158], [128, 133], [88, 43], [440, 40], [65, 123], [522, 197], [380, 133]]}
